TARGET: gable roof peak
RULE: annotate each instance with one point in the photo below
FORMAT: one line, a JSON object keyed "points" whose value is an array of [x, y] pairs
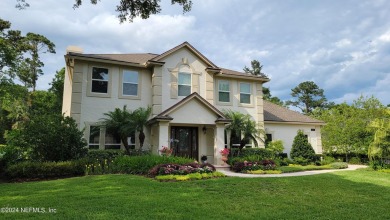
{"points": [[191, 48]]}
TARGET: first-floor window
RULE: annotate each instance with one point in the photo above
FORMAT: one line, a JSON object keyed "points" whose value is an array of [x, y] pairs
{"points": [[131, 140], [245, 93], [112, 141], [99, 80], [94, 136], [268, 139]]}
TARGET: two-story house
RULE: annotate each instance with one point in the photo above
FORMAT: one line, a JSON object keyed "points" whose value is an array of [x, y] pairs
{"points": [[187, 93]]}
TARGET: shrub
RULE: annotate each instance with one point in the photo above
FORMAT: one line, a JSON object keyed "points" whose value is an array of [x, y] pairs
{"points": [[142, 164], [42, 170], [260, 152], [339, 165], [355, 160], [10, 155], [328, 160], [255, 165], [301, 147], [49, 138], [101, 155], [301, 161], [168, 169], [275, 146]]}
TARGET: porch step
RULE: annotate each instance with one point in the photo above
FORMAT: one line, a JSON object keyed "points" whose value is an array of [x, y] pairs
{"points": [[222, 167]]}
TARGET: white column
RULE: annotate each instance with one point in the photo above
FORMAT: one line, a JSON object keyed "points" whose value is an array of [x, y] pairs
{"points": [[163, 137], [219, 143]]}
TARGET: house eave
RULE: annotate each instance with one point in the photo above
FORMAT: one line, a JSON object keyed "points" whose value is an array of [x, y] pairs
{"points": [[294, 123], [247, 77], [102, 60]]}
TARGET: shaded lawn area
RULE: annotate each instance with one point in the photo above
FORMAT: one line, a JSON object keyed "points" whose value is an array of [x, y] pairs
{"points": [[339, 195]]}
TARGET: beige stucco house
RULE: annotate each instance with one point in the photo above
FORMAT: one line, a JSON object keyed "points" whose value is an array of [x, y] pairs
{"points": [[186, 92]]}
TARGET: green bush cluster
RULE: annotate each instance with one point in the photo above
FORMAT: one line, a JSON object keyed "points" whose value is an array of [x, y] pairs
{"points": [[301, 148], [338, 165], [101, 155], [42, 170], [355, 160], [49, 138], [142, 164], [262, 152]]}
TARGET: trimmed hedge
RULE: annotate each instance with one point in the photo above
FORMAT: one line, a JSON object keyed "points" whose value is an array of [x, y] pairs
{"points": [[42, 170], [142, 164], [245, 152], [101, 155]]}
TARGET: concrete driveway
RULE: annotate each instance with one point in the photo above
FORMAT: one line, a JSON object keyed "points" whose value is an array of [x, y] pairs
{"points": [[302, 173]]}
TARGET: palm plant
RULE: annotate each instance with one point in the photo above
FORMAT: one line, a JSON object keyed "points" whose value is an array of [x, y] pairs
{"points": [[251, 132], [236, 126], [140, 117], [120, 123], [243, 126]]}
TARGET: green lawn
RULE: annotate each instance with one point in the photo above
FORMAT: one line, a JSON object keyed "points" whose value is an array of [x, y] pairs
{"points": [[339, 195]]}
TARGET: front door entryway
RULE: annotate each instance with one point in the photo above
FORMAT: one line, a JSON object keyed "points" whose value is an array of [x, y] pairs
{"points": [[185, 141]]}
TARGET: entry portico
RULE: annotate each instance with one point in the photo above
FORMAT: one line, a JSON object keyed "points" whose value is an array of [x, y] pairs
{"points": [[192, 128]]}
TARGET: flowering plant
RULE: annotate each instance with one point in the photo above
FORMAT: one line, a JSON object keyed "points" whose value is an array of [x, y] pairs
{"points": [[225, 151], [166, 151]]}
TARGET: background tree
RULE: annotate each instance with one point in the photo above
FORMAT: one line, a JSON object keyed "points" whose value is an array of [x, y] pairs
{"points": [[309, 96], [30, 68], [129, 9], [256, 69], [57, 88], [346, 126], [10, 48], [301, 148], [380, 147]]}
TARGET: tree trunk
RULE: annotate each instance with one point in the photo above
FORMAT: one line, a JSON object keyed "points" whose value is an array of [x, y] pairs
{"points": [[126, 144], [141, 137]]}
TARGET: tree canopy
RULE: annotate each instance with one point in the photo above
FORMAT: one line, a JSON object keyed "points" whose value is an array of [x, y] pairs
{"points": [[129, 9], [308, 97], [346, 130]]}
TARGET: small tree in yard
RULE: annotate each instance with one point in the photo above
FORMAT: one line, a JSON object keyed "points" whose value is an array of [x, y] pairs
{"points": [[49, 138], [301, 147]]}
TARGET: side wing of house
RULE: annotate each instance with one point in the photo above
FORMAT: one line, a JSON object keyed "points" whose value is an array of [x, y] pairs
{"points": [[283, 124]]}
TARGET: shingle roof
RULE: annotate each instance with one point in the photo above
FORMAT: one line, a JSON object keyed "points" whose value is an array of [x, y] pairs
{"points": [[276, 113], [139, 58], [143, 58]]}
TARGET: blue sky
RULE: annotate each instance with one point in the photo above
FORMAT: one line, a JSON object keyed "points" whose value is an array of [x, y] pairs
{"points": [[341, 45]]}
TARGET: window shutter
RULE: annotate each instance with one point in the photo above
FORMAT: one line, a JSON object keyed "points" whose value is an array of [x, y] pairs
{"points": [[174, 85], [195, 83]]}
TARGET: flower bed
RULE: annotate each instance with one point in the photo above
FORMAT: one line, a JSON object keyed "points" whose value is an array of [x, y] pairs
{"points": [[190, 171], [244, 167]]}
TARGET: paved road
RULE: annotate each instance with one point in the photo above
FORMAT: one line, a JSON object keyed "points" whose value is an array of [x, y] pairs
{"points": [[303, 173]]}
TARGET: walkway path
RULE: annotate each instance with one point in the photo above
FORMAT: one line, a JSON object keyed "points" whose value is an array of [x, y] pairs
{"points": [[302, 173]]}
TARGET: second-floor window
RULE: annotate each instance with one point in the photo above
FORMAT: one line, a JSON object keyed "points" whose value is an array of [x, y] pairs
{"points": [[245, 93], [184, 84], [99, 80], [130, 83], [223, 91]]}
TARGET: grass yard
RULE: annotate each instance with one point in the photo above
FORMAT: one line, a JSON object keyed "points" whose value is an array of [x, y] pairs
{"points": [[339, 195]]}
